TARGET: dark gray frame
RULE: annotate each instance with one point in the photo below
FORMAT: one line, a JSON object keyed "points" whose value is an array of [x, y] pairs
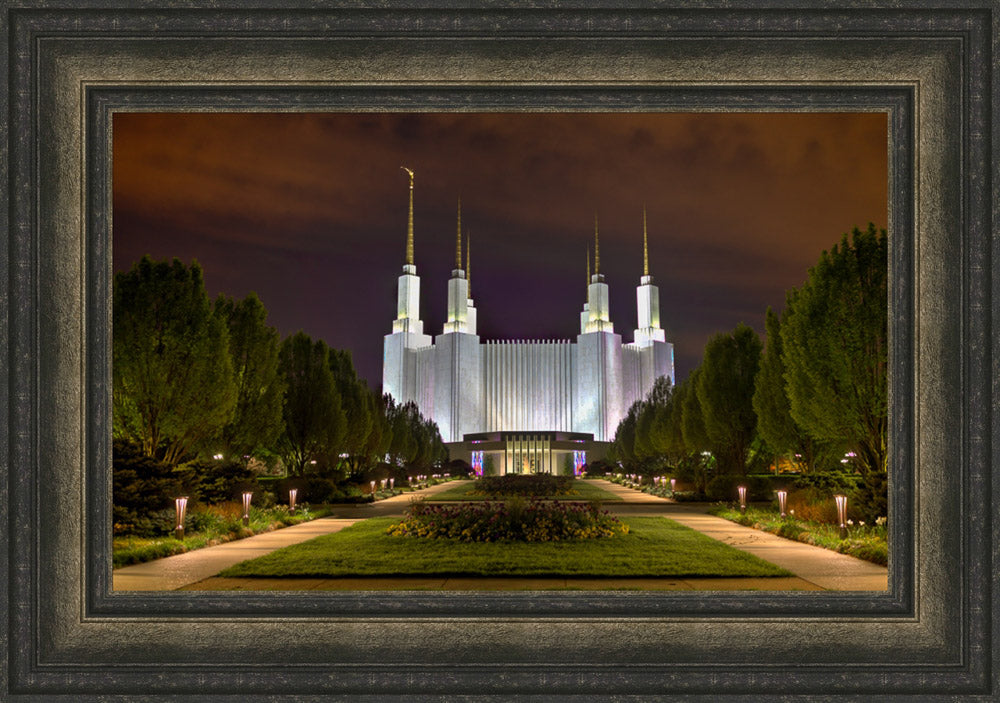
{"points": [[68, 636]]}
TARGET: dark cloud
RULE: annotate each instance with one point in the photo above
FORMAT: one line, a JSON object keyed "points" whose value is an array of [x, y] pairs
{"points": [[309, 211]]}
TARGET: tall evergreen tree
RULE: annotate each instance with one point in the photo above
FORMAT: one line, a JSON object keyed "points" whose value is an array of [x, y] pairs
{"points": [[253, 348], [315, 423], [172, 375], [835, 350], [725, 392]]}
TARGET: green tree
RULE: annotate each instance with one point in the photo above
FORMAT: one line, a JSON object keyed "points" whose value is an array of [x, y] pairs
{"points": [[354, 400], [835, 341], [725, 393], [623, 445], [648, 443], [315, 423], [253, 348], [699, 461], [774, 417], [172, 376]]}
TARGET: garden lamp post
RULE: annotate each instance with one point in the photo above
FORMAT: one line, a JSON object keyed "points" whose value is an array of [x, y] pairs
{"points": [[392, 484], [292, 492], [782, 497], [842, 514], [373, 487], [673, 485], [246, 507], [180, 508], [743, 497]]}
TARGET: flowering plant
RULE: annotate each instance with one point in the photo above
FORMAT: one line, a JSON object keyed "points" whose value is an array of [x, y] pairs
{"points": [[515, 520]]}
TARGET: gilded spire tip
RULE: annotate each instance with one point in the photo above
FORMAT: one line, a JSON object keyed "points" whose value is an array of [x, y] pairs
{"points": [[597, 249], [458, 237], [409, 222], [645, 245]]}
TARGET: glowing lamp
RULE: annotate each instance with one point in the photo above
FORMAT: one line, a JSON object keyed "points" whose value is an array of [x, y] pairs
{"points": [[842, 514], [180, 508], [782, 498], [743, 497], [292, 493], [246, 507]]}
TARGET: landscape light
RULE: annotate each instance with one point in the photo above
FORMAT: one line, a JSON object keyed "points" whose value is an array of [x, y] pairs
{"points": [[373, 488], [743, 497], [782, 497], [673, 485], [180, 508], [392, 483], [292, 492], [384, 482], [842, 514], [246, 507]]}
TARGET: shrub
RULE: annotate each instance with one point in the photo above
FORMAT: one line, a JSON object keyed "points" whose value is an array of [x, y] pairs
{"points": [[515, 520], [724, 488], [144, 490], [218, 481], [527, 485]]}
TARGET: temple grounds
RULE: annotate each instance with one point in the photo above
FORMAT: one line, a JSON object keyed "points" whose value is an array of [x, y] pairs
{"points": [[813, 568]]}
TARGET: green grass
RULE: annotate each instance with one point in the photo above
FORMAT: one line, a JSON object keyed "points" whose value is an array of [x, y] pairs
{"points": [[868, 542], [130, 549], [653, 547], [582, 491]]}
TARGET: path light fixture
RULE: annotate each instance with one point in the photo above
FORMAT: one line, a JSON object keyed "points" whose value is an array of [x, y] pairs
{"points": [[842, 514], [180, 508], [246, 507], [373, 487], [292, 492], [673, 485], [743, 498], [782, 498], [384, 482], [392, 483]]}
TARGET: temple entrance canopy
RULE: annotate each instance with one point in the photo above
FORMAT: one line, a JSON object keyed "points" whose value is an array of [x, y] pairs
{"points": [[501, 453]]}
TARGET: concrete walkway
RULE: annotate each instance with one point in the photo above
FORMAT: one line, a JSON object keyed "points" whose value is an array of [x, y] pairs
{"points": [[815, 568]]}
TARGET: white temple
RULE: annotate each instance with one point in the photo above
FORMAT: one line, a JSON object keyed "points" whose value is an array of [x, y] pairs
{"points": [[525, 402]]}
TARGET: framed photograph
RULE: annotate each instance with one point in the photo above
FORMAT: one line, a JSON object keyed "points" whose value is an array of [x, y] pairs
{"points": [[928, 71]]}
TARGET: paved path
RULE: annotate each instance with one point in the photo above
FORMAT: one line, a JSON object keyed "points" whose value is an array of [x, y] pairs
{"points": [[815, 568]]}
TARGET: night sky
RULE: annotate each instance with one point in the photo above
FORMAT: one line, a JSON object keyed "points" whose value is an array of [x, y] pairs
{"points": [[309, 211]]}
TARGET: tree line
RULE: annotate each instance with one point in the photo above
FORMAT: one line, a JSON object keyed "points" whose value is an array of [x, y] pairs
{"points": [[193, 379], [816, 395]]}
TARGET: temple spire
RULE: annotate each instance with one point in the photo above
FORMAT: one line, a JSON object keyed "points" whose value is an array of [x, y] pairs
{"points": [[468, 265], [409, 222], [458, 237], [588, 264], [645, 245], [597, 250]]}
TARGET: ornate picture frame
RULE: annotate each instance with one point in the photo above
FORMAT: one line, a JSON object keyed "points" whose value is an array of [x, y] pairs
{"points": [[70, 70]]}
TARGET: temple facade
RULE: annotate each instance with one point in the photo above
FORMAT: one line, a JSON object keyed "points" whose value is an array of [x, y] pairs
{"points": [[523, 405]]}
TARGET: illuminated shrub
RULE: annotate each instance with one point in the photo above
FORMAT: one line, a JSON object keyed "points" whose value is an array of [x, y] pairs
{"points": [[515, 520], [526, 485]]}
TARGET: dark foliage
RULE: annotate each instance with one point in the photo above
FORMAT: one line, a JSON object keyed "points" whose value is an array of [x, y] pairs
{"points": [[528, 485]]}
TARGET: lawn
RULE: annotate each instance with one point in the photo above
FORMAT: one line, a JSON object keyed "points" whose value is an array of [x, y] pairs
{"points": [[654, 547], [582, 491]]}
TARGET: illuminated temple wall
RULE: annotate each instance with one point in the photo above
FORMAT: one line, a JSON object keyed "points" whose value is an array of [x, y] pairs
{"points": [[468, 386]]}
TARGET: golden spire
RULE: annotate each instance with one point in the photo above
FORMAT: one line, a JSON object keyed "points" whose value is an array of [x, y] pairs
{"points": [[645, 245], [588, 265], [597, 250], [409, 222], [458, 237], [468, 266]]}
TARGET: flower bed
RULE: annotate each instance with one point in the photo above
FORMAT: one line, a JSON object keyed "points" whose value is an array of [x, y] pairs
{"points": [[515, 520], [526, 485]]}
